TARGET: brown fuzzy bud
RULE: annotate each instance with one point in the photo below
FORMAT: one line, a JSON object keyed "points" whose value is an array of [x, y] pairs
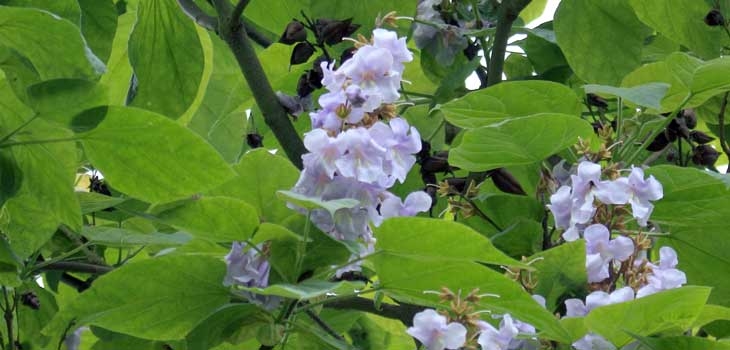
{"points": [[704, 155], [700, 137], [294, 33], [597, 101], [506, 182], [714, 18]]}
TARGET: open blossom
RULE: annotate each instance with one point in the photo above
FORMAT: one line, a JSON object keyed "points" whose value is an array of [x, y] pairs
{"points": [[431, 329], [665, 275], [600, 251], [497, 339], [576, 308], [249, 269], [573, 206]]}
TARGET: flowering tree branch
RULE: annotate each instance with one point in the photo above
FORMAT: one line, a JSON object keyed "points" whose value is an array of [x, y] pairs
{"points": [[231, 29]]}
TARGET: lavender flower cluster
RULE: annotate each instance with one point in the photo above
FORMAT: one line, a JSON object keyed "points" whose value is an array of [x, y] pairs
{"points": [[353, 152]]}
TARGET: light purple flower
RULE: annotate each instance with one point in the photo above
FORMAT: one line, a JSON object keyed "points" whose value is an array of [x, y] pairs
{"points": [[363, 159], [415, 203], [642, 192], [592, 341], [430, 328], [398, 49], [600, 251], [665, 275], [401, 141], [560, 205], [576, 307], [497, 339], [372, 69], [324, 150], [248, 269]]}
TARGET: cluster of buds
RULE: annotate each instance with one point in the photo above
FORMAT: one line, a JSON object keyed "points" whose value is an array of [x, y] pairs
{"points": [[459, 325]]}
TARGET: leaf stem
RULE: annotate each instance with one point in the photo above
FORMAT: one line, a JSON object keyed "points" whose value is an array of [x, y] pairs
{"points": [[37, 142], [721, 121], [201, 18], [20, 127]]}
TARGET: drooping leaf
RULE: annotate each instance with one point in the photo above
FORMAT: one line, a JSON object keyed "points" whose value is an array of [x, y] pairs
{"points": [[681, 21], [694, 212], [179, 292], [647, 95], [672, 310], [167, 76], [60, 100], [36, 35], [309, 289], [98, 24], [560, 270], [122, 238], [518, 141], [428, 239], [260, 175], [586, 32], [221, 219], [148, 156]]}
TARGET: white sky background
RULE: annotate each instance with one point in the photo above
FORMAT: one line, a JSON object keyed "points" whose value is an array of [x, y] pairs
{"points": [[472, 82]]}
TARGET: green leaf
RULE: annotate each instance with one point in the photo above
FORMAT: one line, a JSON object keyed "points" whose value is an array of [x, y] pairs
{"points": [[497, 103], [560, 271], [381, 333], [260, 175], [167, 57], [406, 278], [676, 70], [119, 71], [474, 110], [60, 100], [683, 342], [694, 211], [177, 294], [99, 24], [30, 322], [517, 66], [9, 265], [218, 119], [149, 156], [587, 33], [92, 202], [121, 238], [518, 141], [310, 203], [68, 9], [647, 95], [220, 325], [36, 35], [521, 238], [681, 21], [710, 79], [43, 198], [542, 50], [533, 10], [671, 310], [428, 239], [711, 313], [222, 219], [309, 289]]}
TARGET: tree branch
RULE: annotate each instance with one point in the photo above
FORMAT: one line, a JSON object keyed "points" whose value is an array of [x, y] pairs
{"points": [[507, 14], [255, 35], [198, 15], [238, 11], [233, 33], [72, 266]]}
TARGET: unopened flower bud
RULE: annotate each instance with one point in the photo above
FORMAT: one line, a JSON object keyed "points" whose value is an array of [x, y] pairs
{"points": [[595, 100], [30, 299], [294, 33], [505, 182], [690, 117], [704, 155], [660, 141], [254, 140], [332, 31], [301, 53], [700, 137], [714, 18]]}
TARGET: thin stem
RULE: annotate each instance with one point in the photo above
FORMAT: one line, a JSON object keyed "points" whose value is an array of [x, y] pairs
{"points": [[72, 266], [191, 9], [59, 258], [619, 118], [275, 116], [36, 142], [20, 127], [302, 247], [74, 237], [238, 11], [721, 121], [8, 315], [656, 131], [324, 325]]}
